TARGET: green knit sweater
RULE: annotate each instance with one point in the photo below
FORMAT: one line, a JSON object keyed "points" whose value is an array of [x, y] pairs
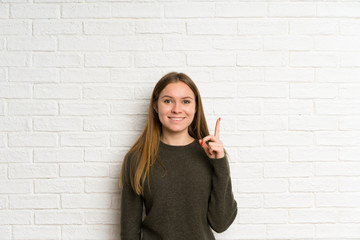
{"points": [[186, 199]]}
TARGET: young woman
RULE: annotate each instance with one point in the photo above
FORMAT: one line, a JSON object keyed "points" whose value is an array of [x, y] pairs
{"points": [[176, 170]]}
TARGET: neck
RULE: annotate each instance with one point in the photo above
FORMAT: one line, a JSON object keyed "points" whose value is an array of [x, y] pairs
{"points": [[176, 139]]}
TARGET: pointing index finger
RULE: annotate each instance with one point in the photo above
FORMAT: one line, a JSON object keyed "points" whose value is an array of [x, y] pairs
{"points": [[217, 128]]}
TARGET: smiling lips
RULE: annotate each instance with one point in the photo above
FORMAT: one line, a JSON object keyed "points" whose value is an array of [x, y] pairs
{"points": [[177, 118]]}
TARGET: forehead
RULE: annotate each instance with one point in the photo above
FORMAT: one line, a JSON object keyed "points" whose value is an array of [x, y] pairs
{"points": [[177, 90]]}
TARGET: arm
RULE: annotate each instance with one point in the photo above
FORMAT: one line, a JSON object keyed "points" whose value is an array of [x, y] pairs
{"points": [[131, 207], [222, 205]]}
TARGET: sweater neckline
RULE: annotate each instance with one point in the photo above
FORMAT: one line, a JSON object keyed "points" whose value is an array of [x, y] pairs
{"points": [[168, 146]]}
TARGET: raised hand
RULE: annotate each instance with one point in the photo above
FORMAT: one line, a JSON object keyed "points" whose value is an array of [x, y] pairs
{"points": [[212, 144]]}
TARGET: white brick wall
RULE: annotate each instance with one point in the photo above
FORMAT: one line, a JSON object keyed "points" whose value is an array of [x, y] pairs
{"points": [[75, 79]]}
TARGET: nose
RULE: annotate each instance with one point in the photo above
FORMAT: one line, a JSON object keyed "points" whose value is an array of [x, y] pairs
{"points": [[176, 107]]}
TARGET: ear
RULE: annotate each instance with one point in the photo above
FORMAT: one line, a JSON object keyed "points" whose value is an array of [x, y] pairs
{"points": [[155, 107]]}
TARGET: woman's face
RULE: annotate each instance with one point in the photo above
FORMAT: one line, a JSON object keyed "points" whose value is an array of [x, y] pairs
{"points": [[176, 107]]}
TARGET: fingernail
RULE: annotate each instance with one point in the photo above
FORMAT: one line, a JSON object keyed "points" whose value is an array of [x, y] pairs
{"points": [[201, 143], [219, 118]]}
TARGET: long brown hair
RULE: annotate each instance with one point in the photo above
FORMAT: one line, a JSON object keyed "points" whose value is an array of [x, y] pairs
{"points": [[145, 149]]}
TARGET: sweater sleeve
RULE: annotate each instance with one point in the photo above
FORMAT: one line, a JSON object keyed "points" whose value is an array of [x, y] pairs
{"points": [[131, 207], [222, 205]]}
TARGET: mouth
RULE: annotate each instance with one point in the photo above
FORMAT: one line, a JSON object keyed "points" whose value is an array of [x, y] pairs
{"points": [[177, 118]]}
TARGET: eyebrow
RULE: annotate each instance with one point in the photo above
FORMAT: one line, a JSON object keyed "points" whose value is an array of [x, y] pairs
{"points": [[172, 97]]}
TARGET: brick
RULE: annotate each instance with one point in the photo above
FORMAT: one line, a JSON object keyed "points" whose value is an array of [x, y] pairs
{"points": [[292, 10], [6, 232], [288, 138], [104, 155], [338, 231], [236, 107], [239, 74], [14, 124], [88, 10], [349, 154], [33, 75], [83, 44], [136, 10], [15, 218], [349, 185], [56, 60], [29, 171], [9, 187], [56, 27], [312, 216], [313, 185], [136, 44], [211, 60], [262, 154], [337, 200], [58, 155], [331, 43], [274, 170], [112, 27], [349, 60], [4, 11], [85, 201], [338, 75], [289, 74], [160, 26], [137, 75], [245, 139], [241, 9], [14, 59], [313, 60], [123, 140], [31, 44], [15, 91], [337, 107], [108, 60], [338, 138], [15, 156], [59, 217], [33, 139], [348, 9], [246, 170], [59, 186], [214, 27], [262, 27], [288, 43], [104, 92], [262, 216], [263, 90], [15, 27], [189, 10], [45, 91], [313, 154], [235, 43], [34, 202], [186, 43], [57, 124], [90, 232], [337, 169], [313, 123], [313, 91], [32, 108], [160, 60], [217, 90], [289, 200], [261, 59], [84, 76], [113, 124], [36, 232], [349, 123], [83, 170], [130, 107], [349, 91], [261, 123], [290, 231], [3, 200], [102, 217], [84, 109], [349, 215], [313, 27], [263, 186], [102, 185], [243, 232], [35, 11], [350, 27], [84, 140]]}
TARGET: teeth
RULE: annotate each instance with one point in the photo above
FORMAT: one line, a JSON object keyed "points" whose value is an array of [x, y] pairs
{"points": [[176, 118]]}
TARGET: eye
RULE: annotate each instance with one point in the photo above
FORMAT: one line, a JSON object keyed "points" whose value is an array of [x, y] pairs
{"points": [[167, 101], [186, 101]]}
